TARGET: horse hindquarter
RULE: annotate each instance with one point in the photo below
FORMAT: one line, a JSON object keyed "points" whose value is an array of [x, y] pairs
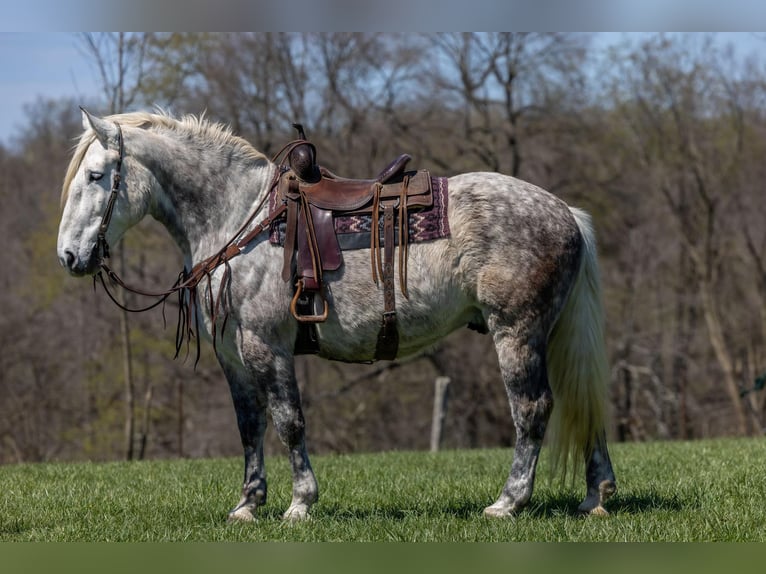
{"points": [[532, 263]]}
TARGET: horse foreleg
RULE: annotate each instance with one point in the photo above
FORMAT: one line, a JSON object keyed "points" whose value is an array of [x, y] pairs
{"points": [[600, 480], [250, 407], [286, 412], [522, 364]]}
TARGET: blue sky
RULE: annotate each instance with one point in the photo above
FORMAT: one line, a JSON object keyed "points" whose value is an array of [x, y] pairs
{"points": [[33, 65], [53, 65]]}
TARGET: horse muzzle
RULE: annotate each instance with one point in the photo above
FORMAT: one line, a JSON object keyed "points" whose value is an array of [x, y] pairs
{"points": [[77, 265]]}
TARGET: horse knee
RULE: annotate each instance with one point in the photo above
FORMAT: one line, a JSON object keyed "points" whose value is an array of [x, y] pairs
{"points": [[290, 426]]}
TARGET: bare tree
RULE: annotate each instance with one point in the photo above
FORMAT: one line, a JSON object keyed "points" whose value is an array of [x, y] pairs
{"points": [[692, 149], [499, 82]]}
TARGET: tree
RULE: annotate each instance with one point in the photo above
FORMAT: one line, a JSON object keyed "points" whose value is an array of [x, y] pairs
{"points": [[500, 82], [683, 109]]}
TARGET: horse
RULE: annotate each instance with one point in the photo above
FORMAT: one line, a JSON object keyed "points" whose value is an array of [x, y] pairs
{"points": [[519, 263]]}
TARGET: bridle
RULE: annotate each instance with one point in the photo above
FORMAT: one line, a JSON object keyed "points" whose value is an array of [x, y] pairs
{"points": [[187, 283], [101, 243]]}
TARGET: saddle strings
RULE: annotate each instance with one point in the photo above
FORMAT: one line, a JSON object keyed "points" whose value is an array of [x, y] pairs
{"points": [[376, 258], [404, 235], [376, 255]]}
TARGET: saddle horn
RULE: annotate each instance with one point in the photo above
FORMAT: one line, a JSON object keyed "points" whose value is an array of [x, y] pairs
{"points": [[302, 158]]}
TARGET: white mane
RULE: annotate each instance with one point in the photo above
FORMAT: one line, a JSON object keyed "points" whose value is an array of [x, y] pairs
{"points": [[215, 135]]}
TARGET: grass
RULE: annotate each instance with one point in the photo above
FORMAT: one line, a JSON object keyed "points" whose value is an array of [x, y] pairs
{"points": [[711, 490]]}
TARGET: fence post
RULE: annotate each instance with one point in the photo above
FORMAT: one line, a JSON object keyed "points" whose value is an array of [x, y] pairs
{"points": [[441, 387]]}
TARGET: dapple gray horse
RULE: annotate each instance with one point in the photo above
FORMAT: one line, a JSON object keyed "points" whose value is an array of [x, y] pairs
{"points": [[519, 262]]}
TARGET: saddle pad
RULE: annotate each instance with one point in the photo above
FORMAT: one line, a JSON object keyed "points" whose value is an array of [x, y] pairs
{"points": [[353, 231]]}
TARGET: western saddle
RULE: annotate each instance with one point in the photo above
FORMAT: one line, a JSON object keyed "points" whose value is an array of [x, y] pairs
{"points": [[314, 196]]}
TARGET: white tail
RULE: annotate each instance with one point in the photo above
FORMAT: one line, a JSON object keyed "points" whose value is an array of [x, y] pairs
{"points": [[577, 363]]}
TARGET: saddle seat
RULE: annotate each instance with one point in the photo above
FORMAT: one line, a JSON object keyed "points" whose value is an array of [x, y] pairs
{"points": [[314, 195], [345, 194], [355, 196]]}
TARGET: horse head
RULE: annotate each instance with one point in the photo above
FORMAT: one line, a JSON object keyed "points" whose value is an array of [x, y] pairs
{"points": [[102, 197]]}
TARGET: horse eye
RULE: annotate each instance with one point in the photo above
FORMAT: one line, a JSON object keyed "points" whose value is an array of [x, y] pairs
{"points": [[95, 175]]}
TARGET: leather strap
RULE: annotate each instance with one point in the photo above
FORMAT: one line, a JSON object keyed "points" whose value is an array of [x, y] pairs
{"points": [[106, 219], [185, 287], [404, 235], [375, 259], [290, 232], [388, 336]]}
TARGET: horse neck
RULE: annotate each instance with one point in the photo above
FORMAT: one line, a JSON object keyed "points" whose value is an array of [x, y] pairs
{"points": [[203, 194]]}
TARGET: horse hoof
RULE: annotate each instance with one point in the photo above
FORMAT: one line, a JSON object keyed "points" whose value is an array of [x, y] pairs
{"points": [[297, 513], [498, 511], [241, 514], [599, 511]]}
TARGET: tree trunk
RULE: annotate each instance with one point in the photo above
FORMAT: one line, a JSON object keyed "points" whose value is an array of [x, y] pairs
{"points": [[146, 418], [685, 326], [180, 410], [127, 366], [717, 341], [441, 391]]}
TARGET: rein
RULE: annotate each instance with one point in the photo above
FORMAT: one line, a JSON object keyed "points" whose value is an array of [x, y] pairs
{"points": [[186, 285]]}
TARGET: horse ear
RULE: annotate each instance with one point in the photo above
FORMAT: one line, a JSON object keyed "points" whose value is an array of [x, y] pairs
{"points": [[105, 131]]}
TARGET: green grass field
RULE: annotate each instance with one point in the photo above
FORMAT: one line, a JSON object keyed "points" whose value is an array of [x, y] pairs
{"points": [[696, 491]]}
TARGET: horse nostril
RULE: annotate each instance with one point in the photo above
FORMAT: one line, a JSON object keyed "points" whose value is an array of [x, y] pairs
{"points": [[69, 258]]}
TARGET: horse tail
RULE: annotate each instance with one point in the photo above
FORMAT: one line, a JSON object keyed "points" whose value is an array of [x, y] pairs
{"points": [[577, 363]]}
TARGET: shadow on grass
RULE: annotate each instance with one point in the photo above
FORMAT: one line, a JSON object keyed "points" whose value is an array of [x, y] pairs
{"points": [[628, 503], [642, 502], [550, 507]]}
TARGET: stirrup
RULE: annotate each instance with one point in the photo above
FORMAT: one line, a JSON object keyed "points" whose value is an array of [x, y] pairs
{"points": [[307, 318]]}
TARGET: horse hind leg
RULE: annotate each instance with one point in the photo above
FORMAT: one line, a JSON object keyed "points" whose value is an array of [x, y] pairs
{"points": [[524, 371], [521, 354], [579, 372], [600, 481]]}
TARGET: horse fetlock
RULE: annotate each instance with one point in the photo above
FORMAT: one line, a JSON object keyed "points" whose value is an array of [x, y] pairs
{"points": [[252, 499], [606, 489], [306, 491], [305, 494], [594, 503], [253, 495]]}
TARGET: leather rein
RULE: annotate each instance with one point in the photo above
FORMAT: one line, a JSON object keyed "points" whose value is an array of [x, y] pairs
{"points": [[187, 283]]}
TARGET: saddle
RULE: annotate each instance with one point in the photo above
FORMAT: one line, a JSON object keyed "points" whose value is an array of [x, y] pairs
{"points": [[314, 197]]}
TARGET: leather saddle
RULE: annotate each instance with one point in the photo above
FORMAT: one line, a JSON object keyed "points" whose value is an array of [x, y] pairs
{"points": [[314, 196]]}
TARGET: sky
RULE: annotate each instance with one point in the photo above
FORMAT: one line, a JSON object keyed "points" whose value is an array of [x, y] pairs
{"points": [[35, 65], [53, 65]]}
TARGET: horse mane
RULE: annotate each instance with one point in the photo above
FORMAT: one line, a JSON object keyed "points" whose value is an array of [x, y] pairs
{"points": [[215, 135]]}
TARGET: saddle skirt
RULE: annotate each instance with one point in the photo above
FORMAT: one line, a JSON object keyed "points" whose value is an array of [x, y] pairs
{"points": [[353, 230]]}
